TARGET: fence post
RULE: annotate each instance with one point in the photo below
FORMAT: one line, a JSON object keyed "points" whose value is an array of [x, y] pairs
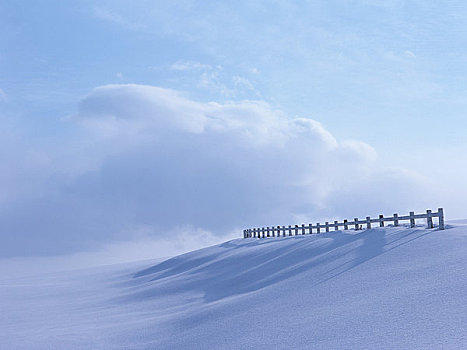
{"points": [[412, 219], [303, 229], [283, 231], [296, 230], [290, 230], [267, 232], [327, 226], [368, 222], [441, 218], [317, 228], [396, 220], [381, 221], [310, 228], [336, 227], [346, 226], [263, 232], [356, 224], [429, 219]]}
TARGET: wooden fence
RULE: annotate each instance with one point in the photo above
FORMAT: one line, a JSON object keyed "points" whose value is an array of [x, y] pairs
{"points": [[275, 231]]}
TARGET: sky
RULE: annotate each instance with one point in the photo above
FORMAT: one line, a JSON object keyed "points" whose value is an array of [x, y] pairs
{"points": [[137, 124]]}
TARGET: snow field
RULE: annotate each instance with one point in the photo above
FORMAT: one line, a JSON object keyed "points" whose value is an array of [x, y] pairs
{"points": [[384, 288]]}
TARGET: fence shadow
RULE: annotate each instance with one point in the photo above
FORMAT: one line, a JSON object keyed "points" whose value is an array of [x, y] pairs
{"points": [[244, 266]]}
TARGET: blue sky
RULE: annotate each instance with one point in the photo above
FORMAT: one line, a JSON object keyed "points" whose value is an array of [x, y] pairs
{"points": [[91, 89]]}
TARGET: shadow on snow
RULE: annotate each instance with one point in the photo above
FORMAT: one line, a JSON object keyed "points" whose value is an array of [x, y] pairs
{"points": [[247, 265]]}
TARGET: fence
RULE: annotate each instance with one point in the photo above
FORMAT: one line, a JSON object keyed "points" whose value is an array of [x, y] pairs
{"points": [[296, 230]]}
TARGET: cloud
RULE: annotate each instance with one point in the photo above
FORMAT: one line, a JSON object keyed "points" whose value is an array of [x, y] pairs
{"points": [[148, 159], [245, 84], [189, 65], [224, 165], [108, 15], [211, 78]]}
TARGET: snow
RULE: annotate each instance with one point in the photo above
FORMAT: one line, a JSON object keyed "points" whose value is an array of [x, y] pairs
{"points": [[384, 288]]}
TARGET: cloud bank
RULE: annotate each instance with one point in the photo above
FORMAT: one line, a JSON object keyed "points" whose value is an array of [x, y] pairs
{"points": [[144, 161]]}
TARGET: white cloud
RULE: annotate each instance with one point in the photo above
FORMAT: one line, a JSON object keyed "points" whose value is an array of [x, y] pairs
{"points": [[247, 146], [189, 65], [212, 81], [245, 84], [410, 54], [112, 16], [151, 158], [210, 78]]}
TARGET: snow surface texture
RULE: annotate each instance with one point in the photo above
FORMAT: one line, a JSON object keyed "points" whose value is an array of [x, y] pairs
{"points": [[384, 288]]}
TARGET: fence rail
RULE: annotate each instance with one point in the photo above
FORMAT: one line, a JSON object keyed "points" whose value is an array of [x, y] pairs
{"points": [[275, 231]]}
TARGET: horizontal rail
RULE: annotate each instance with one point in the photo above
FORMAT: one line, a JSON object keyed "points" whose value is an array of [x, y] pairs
{"points": [[356, 223]]}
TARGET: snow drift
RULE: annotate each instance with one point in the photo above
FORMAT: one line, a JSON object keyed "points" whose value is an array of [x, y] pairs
{"points": [[392, 287]]}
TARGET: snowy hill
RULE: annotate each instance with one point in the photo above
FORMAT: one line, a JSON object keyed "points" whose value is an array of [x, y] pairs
{"points": [[392, 287]]}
